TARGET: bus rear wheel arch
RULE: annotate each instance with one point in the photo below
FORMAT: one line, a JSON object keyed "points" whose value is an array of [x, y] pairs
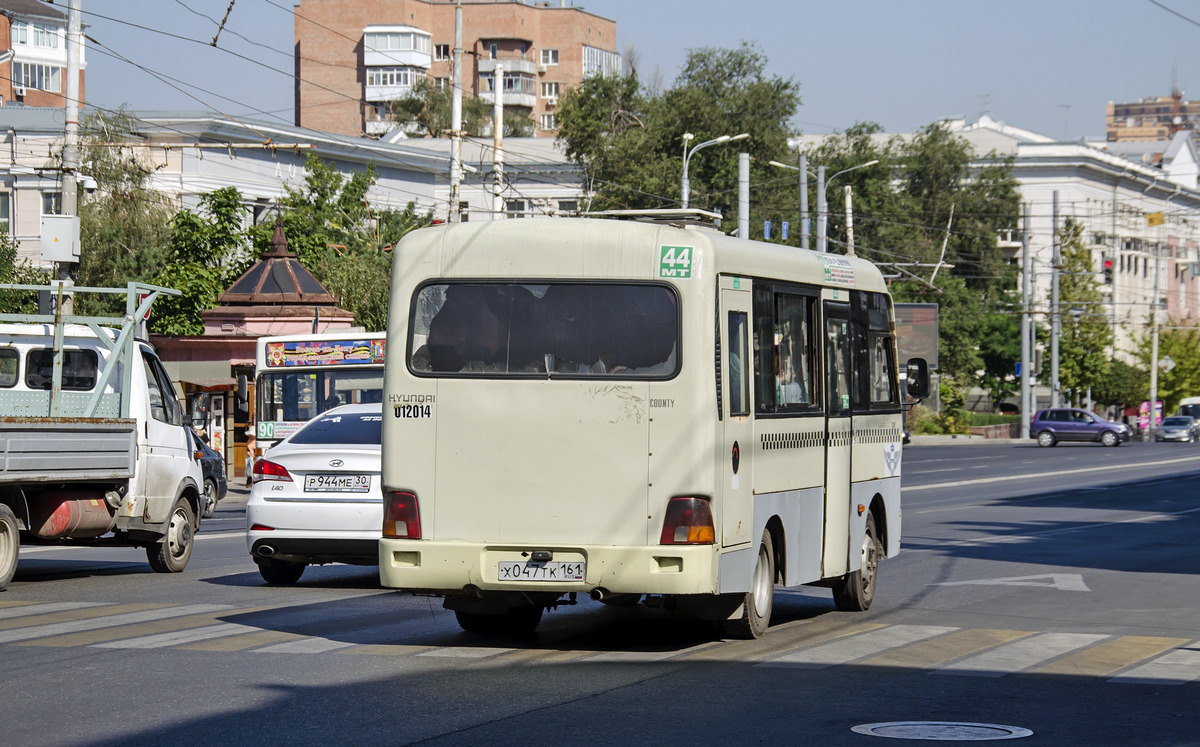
{"points": [[855, 591], [755, 610]]}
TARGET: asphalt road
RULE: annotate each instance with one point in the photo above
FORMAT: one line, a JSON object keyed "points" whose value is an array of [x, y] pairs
{"points": [[1055, 590]]}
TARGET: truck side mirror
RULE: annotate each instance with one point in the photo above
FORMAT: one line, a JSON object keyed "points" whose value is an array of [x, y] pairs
{"points": [[917, 378]]}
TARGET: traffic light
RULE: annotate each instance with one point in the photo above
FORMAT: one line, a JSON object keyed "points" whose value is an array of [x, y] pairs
{"points": [[1108, 272]]}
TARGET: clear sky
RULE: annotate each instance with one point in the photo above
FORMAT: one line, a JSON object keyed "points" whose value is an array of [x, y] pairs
{"points": [[1045, 65]]}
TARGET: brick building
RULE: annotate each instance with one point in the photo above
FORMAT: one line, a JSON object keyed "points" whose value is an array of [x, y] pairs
{"points": [[1154, 118], [355, 56], [36, 33]]}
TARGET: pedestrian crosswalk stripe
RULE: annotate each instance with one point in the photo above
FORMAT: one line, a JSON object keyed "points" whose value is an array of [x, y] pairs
{"points": [[25, 610], [846, 650], [79, 613], [1110, 656], [1173, 668], [304, 646], [937, 651], [466, 652], [243, 642], [111, 621], [178, 637], [1021, 654]]}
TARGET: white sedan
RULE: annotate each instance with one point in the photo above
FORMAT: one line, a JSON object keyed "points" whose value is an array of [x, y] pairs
{"points": [[315, 497]]}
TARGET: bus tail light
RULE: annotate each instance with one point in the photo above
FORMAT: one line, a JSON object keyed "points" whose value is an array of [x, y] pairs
{"points": [[401, 516], [264, 470], [688, 522]]}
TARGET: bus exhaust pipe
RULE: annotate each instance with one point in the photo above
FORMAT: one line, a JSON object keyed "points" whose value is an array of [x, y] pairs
{"points": [[598, 594]]}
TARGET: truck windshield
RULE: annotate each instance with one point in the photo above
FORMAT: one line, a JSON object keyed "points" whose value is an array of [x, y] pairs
{"points": [[561, 329]]}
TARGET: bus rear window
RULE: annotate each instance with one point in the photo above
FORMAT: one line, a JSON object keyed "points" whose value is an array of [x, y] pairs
{"points": [[557, 329]]}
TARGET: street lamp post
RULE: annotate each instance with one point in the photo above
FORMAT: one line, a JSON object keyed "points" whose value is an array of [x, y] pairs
{"points": [[822, 185], [685, 186]]}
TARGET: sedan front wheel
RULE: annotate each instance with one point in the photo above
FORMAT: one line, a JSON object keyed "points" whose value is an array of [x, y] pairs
{"points": [[1108, 438]]}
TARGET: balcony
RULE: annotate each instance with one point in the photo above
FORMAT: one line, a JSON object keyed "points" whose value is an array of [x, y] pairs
{"points": [[511, 98], [510, 66]]}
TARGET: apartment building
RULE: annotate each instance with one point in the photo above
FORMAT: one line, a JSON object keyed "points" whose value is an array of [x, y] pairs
{"points": [[36, 34], [1153, 118], [353, 57]]}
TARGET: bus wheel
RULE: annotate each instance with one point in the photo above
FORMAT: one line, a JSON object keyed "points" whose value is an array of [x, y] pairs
{"points": [[756, 608], [515, 622], [855, 591]]}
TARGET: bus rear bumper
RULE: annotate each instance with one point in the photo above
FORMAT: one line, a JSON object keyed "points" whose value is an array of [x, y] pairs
{"points": [[452, 567]]}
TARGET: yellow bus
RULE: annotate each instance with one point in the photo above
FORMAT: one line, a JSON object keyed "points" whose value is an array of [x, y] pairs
{"points": [[636, 410]]}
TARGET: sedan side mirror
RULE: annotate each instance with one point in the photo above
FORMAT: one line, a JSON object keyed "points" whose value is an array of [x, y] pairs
{"points": [[917, 378]]}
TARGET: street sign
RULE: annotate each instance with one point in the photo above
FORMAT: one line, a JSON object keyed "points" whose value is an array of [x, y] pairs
{"points": [[1166, 364]]}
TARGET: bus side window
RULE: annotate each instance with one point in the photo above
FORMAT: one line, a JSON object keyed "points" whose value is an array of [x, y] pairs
{"points": [[739, 348]]}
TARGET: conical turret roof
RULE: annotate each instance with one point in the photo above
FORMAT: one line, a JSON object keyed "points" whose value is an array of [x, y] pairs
{"points": [[278, 279]]}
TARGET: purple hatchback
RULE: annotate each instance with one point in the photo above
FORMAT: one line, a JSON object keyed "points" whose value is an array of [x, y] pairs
{"points": [[1068, 424]]}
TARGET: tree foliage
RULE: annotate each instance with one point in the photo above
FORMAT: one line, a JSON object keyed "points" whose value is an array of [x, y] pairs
{"points": [[1086, 337], [17, 272], [123, 224], [1183, 380], [427, 110]]}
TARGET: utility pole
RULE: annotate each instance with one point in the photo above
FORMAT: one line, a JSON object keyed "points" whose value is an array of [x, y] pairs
{"points": [[803, 200], [1055, 312], [1154, 349], [821, 240], [1026, 323], [498, 148], [70, 156], [743, 195], [456, 117], [849, 224]]}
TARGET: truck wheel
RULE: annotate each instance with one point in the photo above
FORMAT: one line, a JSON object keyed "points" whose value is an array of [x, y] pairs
{"points": [[279, 572], [172, 553], [10, 542], [855, 591], [756, 609], [210, 497]]}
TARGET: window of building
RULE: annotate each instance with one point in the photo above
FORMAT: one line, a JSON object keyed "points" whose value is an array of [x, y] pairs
{"points": [[441, 52], [5, 210], [441, 83], [520, 83], [394, 76], [549, 122], [492, 50], [20, 32], [51, 203], [550, 91], [41, 77], [515, 208], [45, 36], [396, 41], [600, 62], [549, 56], [568, 206]]}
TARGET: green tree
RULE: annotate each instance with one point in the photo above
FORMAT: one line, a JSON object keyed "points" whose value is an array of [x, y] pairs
{"points": [[209, 251], [1000, 349], [17, 272], [1086, 335], [1183, 380], [1123, 386], [428, 110], [123, 224]]}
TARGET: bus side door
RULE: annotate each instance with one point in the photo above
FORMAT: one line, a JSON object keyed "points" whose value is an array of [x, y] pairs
{"points": [[736, 492], [839, 430]]}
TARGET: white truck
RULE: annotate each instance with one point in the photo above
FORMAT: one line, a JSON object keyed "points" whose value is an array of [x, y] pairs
{"points": [[93, 441]]}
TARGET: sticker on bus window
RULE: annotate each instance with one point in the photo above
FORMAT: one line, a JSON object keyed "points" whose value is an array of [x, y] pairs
{"points": [[675, 261]]}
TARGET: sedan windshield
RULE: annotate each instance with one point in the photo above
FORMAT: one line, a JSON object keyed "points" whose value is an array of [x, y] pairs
{"points": [[1178, 421], [347, 428]]}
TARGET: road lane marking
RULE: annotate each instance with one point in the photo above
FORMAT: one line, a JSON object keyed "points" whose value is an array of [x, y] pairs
{"points": [[1064, 581], [1040, 475], [82, 613], [1020, 655], [26, 610], [1110, 656], [942, 543], [1175, 668], [846, 650], [111, 621], [179, 637]]}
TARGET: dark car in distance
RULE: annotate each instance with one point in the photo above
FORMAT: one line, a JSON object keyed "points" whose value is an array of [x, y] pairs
{"points": [[212, 465], [1069, 424]]}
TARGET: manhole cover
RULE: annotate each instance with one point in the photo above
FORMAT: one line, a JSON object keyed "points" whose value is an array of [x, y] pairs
{"points": [[941, 731]]}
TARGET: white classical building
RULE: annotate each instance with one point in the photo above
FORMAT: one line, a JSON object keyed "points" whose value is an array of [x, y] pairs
{"points": [[189, 155]]}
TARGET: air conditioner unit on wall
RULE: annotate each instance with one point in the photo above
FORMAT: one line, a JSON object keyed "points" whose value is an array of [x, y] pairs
{"points": [[18, 90]]}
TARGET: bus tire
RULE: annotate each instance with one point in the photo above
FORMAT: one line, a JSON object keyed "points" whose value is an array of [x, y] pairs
{"points": [[10, 543], [855, 591], [515, 622], [758, 602], [171, 555]]}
